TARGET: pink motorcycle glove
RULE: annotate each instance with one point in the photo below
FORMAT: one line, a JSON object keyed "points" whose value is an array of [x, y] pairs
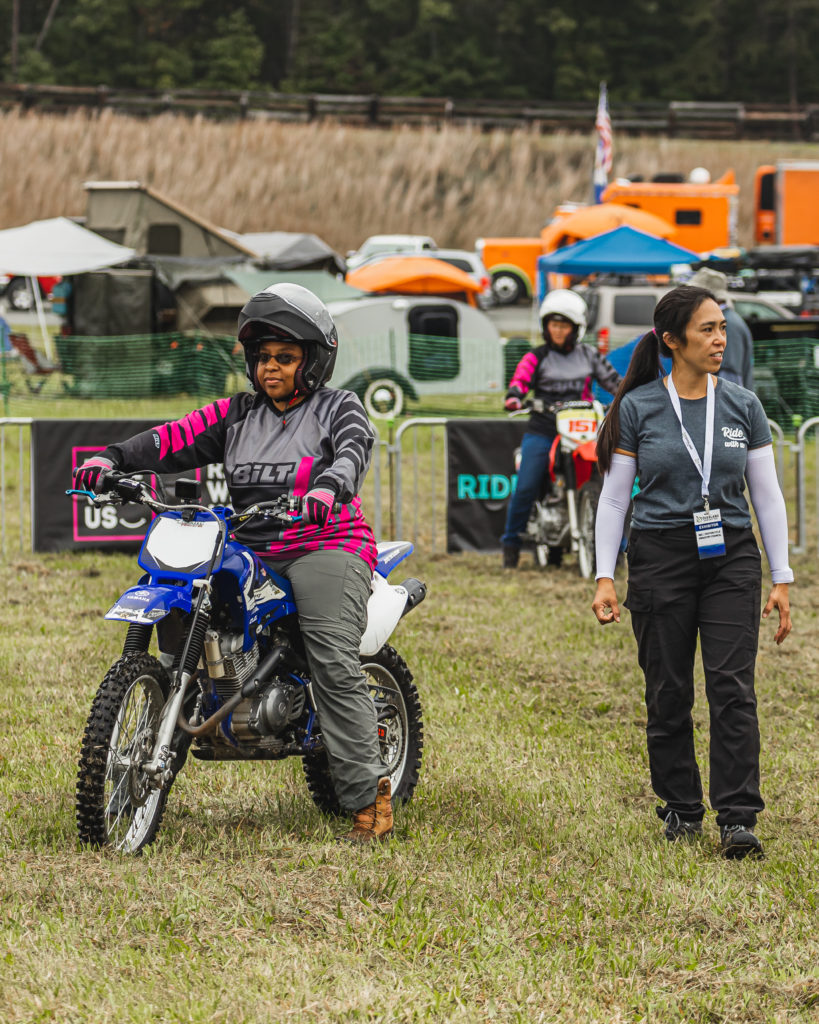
{"points": [[512, 404], [318, 506], [87, 475]]}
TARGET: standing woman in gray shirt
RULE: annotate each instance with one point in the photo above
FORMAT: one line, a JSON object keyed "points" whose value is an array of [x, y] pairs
{"points": [[694, 566]]}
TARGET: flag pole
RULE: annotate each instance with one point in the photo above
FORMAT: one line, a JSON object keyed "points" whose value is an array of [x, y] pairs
{"points": [[603, 153]]}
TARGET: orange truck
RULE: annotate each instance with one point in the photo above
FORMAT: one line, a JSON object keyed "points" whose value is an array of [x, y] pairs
{"points": [[703, 214], [786, 203], [512, 266]]}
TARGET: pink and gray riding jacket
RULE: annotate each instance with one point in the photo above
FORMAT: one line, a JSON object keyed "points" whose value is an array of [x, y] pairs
{"points": [[323, 442], [556, 376]]}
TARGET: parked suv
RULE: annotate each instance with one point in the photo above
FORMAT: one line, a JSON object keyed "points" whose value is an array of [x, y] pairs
{"points": [[389, 244], [18, 294], [619, 313], [472, 264]]}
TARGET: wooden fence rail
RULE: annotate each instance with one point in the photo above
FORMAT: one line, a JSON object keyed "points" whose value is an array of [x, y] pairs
{"points": [[677, 118]]}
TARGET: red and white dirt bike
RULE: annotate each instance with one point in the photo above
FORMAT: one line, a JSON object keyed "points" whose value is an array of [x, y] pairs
{"points": [[563, 515]]}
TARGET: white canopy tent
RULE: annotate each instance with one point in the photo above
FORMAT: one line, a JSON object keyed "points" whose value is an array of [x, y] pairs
{"points": [[58, 246]]}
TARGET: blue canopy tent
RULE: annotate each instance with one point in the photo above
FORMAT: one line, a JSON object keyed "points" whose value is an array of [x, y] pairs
{"points": [[620, 359], [625, 250]]}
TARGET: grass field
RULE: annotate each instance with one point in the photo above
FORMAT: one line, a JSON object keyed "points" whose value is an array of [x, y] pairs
{"points": [[528, 880]]}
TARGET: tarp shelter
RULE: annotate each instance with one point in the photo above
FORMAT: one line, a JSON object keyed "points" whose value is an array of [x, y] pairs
{"points": [[414, 275], [321, 284], [291, 250], [625, 250], [56, 247]]}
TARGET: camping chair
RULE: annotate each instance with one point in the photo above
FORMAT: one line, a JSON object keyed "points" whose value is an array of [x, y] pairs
{"points": [[33, 364]]}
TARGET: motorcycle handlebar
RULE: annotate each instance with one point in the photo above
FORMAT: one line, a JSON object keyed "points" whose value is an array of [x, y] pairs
{"points": [[538, 405], [113, 485]]}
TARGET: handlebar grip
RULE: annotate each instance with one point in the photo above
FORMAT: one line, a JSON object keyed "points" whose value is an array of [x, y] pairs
{"points": [[106, 480]]}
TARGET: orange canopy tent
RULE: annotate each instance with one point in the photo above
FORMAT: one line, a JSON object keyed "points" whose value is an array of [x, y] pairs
{"points": [[414, 275], [589, 221]]}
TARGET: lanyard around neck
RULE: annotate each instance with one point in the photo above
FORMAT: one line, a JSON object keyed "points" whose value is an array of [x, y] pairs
{"points": [[703, 466]]}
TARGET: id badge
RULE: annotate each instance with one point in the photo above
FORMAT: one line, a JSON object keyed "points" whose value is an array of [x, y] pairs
{"points": [[708, 530]]}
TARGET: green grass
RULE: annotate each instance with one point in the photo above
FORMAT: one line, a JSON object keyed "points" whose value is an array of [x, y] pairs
{"points": [[528, 880]]}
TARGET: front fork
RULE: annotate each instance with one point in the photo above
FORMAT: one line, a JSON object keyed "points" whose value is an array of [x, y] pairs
{"points": [[159, 766], [571, 505], [571, 508]]}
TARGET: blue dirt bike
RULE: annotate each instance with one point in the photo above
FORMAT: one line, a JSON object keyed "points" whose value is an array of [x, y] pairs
{"points": [[231, 681]]}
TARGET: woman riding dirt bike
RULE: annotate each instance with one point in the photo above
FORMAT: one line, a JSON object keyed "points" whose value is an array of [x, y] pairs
{"points": [[295, 436], [563, 514], [556, 372]]}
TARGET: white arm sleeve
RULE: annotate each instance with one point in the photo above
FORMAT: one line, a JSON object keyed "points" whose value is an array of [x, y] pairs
{"points": [[769, 505], [611, 512]]}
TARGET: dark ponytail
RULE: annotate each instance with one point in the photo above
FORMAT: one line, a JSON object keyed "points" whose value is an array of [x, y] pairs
{"points": [[671, 316]]}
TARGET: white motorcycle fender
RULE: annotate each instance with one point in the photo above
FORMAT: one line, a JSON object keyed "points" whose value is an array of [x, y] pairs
{"points": [[384, 609]]}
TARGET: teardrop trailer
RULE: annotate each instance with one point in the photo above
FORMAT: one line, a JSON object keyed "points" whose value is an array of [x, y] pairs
{"points": [[396, 348]]}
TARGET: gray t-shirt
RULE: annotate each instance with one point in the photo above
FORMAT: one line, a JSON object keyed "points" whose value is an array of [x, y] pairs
{"points": [[670, 485]]}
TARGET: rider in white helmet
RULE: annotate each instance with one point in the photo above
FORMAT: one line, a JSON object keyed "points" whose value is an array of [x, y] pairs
{"points": [[556, 371]]}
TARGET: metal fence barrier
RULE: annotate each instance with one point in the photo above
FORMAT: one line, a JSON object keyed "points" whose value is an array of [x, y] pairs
{"points": [[405, 490], [14, 517], [801, 450]]}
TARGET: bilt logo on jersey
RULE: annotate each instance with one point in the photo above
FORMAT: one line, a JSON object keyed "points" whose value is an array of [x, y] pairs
{"points": [[734, 437], [262, 473]]}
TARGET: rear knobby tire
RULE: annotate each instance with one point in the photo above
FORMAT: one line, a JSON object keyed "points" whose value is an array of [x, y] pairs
{"points": [[401, 735], [586, 520], [114, 806]]}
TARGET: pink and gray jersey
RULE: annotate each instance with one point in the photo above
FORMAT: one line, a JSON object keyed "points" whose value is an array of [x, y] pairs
{"points": [[556, 376], [323, 442]]}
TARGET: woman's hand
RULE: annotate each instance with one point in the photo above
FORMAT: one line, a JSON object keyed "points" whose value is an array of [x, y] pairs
{"points": [[605, 605], [779, 598]]}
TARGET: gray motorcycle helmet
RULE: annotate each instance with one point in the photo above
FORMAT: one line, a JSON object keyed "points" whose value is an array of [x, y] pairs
{"points": [[288, 312]]}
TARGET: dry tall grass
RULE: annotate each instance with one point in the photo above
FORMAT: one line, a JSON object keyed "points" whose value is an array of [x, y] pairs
{"points": [[342, 183]]}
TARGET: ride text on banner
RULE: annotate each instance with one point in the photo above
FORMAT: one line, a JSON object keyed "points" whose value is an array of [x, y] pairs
{"points": [[481, 479]]}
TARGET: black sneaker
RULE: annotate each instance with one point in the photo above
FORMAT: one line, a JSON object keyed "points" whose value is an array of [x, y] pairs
{"points": [[677, 828], [739, 841], [511, 556]]}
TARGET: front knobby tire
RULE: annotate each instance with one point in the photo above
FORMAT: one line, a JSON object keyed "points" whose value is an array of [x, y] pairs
{"points": [[400, 732], [115, 807], [586, 520]]}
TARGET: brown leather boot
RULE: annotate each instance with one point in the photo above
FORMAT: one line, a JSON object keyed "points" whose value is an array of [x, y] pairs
{"points": [[374, 823]]}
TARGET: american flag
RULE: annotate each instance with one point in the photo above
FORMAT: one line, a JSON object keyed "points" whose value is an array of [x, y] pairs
{"points": [[603, 155]]}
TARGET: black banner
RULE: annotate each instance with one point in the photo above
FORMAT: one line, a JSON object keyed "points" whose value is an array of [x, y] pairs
{"points": [[62, 523], [481, 474]]}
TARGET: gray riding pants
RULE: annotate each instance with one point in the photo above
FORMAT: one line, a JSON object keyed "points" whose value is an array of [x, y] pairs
{"points": [[331, 590]]}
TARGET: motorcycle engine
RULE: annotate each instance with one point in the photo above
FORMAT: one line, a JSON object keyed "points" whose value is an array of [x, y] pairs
{"points": [[229, 667], [268, 714], [548, 523]]}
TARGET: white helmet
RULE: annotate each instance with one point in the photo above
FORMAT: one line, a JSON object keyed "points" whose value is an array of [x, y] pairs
{"points": [[562, 302]]}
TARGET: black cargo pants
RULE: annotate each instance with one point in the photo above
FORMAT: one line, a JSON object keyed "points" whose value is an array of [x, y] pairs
{"points": [[673, 596]]}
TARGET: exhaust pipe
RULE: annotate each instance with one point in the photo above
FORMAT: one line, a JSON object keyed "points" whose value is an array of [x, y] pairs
{"points": [[416, 592]]}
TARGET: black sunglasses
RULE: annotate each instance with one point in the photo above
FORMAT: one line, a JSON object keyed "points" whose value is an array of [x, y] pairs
{"points": [[282, 359]]}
